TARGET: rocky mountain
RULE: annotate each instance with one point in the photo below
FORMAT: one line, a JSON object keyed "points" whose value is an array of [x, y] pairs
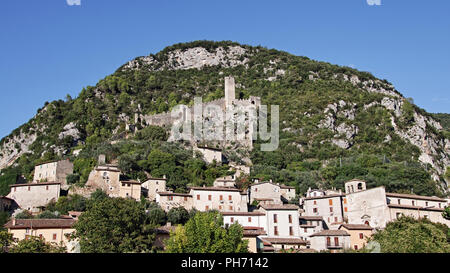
{"points": [[330, 116]]}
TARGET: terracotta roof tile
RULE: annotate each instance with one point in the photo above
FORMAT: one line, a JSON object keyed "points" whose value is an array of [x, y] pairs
{"points": [[40, 223], [331, 232], [279, 207], [413, 196]]}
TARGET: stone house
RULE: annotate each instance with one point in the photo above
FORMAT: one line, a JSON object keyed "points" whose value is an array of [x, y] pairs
{"points": [[219, 198], [210, 154], [331, 240], [287, 192], [168, 200], [51, 230], [359, 234], [265, 191], [310, 225], [332, 206], [154, 185], [130, 189], [245, 219], [162, 234], [227, 182], [106, 178], [33, 196], [55, 171]]}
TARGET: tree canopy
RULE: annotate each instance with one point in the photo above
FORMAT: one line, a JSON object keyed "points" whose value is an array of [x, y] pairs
{"points": [[407, 235], [114, 225], [204, 233]]}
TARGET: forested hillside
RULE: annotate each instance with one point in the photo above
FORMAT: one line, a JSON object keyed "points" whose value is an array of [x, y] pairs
{"points": [[337, 123]]}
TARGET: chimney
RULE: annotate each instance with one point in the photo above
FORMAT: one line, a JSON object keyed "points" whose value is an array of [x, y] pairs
{"points": [[270, 180], [101, 159], [164, 176], [169, 224], [13, 221]]}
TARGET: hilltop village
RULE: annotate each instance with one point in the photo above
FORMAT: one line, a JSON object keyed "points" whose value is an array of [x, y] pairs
{"points": [[274, 216]]}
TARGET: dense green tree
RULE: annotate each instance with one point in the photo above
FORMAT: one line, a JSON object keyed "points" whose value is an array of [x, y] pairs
{"points": [[114, 225], [177, 216], [25, 214], [204, 233], [6, 240], [446, 213], [407, 235], [36, 245]]}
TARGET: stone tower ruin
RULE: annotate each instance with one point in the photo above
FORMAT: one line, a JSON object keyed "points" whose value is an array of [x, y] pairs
{"points": [[230, 94]]}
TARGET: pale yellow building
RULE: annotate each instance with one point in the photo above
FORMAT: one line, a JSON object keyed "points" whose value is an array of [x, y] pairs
{"points": [[130, 189], [168, 200], [55, 171], [51, 230], [359, 234], [154, 185]]}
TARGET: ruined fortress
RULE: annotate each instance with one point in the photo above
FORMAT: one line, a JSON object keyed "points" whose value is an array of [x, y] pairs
{"points": [[229, 101]]}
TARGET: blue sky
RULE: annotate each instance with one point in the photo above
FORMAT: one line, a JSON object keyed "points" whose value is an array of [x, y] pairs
{"points": [[49, 49]]}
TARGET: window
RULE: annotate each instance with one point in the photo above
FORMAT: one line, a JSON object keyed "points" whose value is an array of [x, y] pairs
{"points": [[209, 197], [361, 236], [232, 220], [249, 219], [54, 236], [356, 247], [231, 207], [330, 202], [15, 188], [315, 202], [198, 196], [220, 207], [426, 204], [46, 187], [185, 198], [170, 198], [221, 197], [315, 210], [359, 186], [336, 241], [291, 231], [305, 230], [275, 230], [206, 207], [256, 189], [345, 200], [398, 201], [275, 218], [331, 209], [412, 202], [29, 188], [335, 219], [229, 197], [328, 241], [345, 209], [290, 219]]}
